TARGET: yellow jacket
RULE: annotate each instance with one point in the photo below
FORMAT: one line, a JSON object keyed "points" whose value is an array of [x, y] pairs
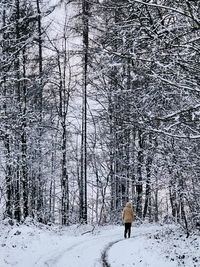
{"points": [[127, 213]]}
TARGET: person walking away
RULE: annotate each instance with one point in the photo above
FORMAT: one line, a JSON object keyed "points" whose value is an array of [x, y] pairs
{"points": [[127, 217]]}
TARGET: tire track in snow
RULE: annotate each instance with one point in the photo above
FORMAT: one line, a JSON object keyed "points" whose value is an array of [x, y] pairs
{"points": [[104, 255], [56, 256], [50, 262]]}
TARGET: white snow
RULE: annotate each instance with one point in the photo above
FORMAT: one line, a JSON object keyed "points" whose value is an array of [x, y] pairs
{"points": [[82, 246]]}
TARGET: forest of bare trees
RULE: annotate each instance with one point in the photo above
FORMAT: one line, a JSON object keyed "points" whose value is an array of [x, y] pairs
{"points": [[100, 105]]}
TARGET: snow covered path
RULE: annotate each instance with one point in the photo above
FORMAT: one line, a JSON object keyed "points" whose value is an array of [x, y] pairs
{"points": [[77, 251], [30, 246], [92, 251]]}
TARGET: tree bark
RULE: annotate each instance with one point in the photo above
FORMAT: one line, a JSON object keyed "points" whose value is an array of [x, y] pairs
{"points": [[83, 176]]}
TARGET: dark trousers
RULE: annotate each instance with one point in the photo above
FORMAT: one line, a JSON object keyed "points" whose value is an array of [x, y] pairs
{"points": [[127, 230]]}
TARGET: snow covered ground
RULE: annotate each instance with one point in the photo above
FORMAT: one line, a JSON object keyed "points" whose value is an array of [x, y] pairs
{"points": [[82, 246]]}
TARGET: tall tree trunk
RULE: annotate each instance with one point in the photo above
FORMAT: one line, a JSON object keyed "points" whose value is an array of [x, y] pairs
{"points": [[39, 103], [17, 200], [83, 178], [112, 147], [9, 196], [24, 142], [149, 161], [132, 170], [139, 186], [173, 195], [148, 186], [64, 183], [127, 131], [52, 185], [8, 170], [21, 93]]}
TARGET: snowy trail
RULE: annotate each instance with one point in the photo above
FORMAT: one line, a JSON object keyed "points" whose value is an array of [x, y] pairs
{"points": [[76, 246], [84, 252], [107, 249]]}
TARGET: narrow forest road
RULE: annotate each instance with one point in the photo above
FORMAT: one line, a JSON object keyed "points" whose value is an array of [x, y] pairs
{"points": [[105, 249], [78, 246], [83, 251]]}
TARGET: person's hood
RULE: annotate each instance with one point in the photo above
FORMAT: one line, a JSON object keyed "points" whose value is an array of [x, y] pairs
{"points": [[128, 205]]}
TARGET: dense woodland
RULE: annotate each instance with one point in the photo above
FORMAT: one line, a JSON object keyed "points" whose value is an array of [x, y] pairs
{"points": [[99, 105]]}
